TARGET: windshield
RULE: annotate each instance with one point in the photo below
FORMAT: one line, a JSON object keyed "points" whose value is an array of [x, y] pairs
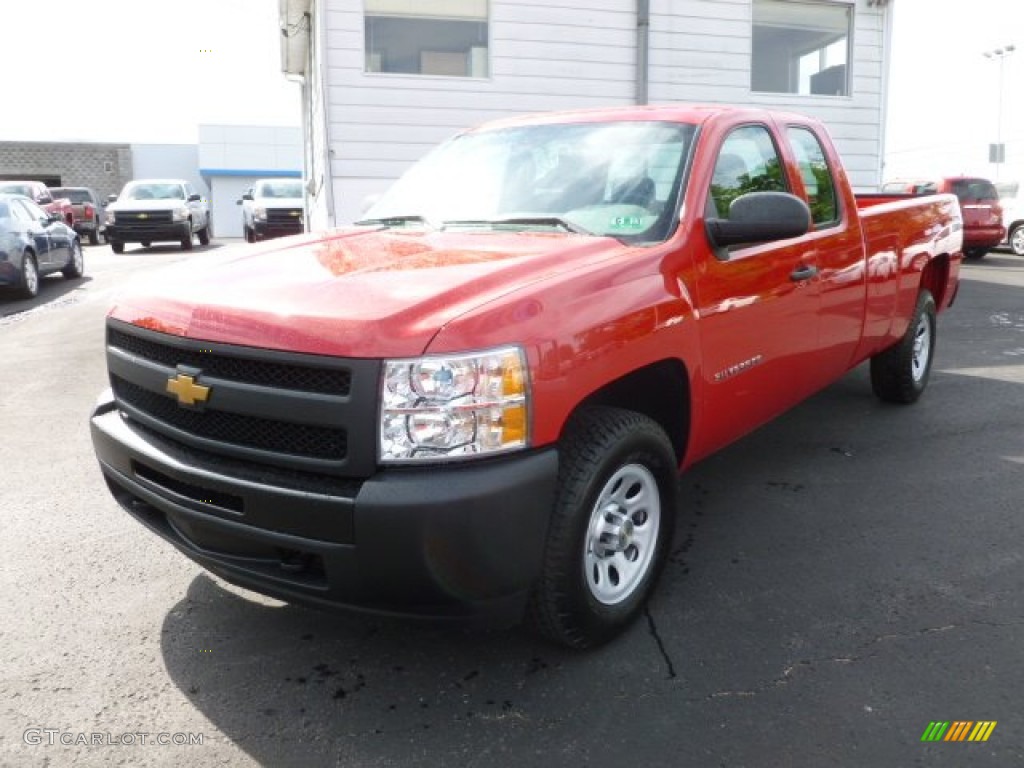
{"points": [[17, 189], [618, 179], [74, 195], [279, 189], [152, 191], [971, 190]]}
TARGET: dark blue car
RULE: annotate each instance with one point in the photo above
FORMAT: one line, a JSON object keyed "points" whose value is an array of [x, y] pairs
{"points": [[32, 244]]}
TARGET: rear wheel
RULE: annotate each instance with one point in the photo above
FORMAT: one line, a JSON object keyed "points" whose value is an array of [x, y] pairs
{"points": [[1016, 239], [900, 373], [611, 526], [145, 243], [117, 246], [28, 281], [76, 264]]}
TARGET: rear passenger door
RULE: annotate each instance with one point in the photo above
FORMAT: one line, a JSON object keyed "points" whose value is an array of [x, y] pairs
{"points": [[837, 248], [33, 220]]}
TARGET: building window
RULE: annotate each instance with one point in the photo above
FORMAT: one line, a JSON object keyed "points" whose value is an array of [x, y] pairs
{"points": [[412, 37], [801, 48]]}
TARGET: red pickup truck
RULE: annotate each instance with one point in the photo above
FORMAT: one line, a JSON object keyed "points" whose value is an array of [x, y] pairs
{"points": [[473, 404], [44, 197]]}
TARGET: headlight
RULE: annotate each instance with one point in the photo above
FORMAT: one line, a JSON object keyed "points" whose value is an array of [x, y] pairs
{"points": [[109, 217], [454, 406], [180, 214], [259, 212]]}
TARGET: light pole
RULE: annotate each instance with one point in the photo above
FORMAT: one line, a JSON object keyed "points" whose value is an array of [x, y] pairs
{"points": [[999, 155]]}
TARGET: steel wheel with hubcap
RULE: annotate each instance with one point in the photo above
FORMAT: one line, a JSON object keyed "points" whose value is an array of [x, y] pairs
{"points": [[622, 533], [610, 529], [900, 373]]}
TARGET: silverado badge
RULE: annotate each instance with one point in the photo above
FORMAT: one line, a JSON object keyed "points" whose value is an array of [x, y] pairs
{"points": [[143, 215], [184, 387]]}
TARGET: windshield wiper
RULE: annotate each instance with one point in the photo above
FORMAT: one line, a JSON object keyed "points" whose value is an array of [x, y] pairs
{"points": [[540, 221], [396, 221]]}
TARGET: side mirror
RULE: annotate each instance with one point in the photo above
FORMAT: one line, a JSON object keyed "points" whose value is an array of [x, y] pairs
{"points": [[195, 197], [758, 217], [111, 198], [44, 199], [53, 218], [246, 196]]}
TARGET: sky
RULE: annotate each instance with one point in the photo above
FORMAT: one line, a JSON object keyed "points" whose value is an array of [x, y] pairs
{"points": [[151, 71], [140, 71]]}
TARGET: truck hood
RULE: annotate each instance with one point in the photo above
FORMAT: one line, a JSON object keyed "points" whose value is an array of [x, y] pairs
{"points": [[351, 293], [279, 202], [145, 205]]}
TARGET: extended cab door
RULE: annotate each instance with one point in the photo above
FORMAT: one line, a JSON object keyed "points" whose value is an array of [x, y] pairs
{"points": [[836, 246], [757, 304]]}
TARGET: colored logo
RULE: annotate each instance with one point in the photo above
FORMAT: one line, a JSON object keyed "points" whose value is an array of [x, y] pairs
{"points": [[143, 215], [184, 387], [958, 730]]}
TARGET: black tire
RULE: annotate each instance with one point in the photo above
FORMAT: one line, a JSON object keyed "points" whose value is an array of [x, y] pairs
{"points": [[585, 595], [27, 286], [186, 239], [1016, 239], [94, 237], [900, 373], [76, 264], [204, 235], [975, 254], [250, 235], [116, 246]]}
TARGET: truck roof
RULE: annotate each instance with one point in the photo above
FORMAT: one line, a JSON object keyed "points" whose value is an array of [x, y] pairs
{"points": [[695, 114]]}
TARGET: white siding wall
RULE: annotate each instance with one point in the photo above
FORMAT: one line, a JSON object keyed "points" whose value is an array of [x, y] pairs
{"points": [[317, 174], [567, 54], [700, 51], [544, 55]]}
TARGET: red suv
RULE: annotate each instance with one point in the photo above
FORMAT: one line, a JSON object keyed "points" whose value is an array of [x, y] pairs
{"points": [[979, 206]]}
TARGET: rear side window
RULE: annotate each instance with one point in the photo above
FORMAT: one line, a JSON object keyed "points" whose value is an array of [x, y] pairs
{"points": [[816, 175], [974, 190]]}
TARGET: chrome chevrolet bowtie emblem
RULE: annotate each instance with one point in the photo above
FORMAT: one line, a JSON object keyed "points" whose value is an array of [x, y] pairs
{"points": [[184, 387]]}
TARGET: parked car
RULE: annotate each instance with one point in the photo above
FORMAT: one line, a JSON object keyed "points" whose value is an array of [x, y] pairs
{"points": [[156, 210], [1013, 214], [473, 404], [979, 205], [42, 196], [271, 208], [88, 210], [34, 243]]}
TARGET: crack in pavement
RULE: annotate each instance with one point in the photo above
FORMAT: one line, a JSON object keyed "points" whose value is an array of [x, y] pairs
{"points": [[653, 629]]}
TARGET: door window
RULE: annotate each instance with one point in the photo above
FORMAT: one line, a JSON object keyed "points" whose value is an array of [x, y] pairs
{"points": [[817, 177], [747, 162]]}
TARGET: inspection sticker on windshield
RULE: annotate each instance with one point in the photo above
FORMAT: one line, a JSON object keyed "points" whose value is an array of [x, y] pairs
{"points": [[627, 222]]}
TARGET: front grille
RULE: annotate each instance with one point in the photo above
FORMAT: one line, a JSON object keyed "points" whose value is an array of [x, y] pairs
{"points": [[332, 381], [285, 216], [244, 431], [143, 217], [290, 412]]}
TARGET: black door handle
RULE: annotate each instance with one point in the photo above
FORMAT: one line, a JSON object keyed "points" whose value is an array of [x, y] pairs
{"points": [[803, 272]]}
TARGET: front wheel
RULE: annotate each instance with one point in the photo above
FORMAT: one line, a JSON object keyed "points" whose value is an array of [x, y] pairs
{"points": [[900, 373], [204, 234], [186, 239], [1016, 240], [610, 529], [975, 254], [117, 246]]}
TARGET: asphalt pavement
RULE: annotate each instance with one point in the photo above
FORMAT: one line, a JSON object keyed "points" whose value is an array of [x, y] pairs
{"points": [[841, 579]]}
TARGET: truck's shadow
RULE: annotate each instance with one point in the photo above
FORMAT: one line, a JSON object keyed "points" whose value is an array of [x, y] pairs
{"points": [[53, 289]]}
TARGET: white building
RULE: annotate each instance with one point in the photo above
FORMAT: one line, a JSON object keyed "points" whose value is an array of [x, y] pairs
{"points": [[386, 80]]}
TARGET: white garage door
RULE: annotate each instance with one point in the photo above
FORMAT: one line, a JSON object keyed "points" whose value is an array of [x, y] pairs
{"points": [[225, 192]]}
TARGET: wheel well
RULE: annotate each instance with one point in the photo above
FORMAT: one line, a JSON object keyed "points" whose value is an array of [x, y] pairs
{"points": [[660, 391], [935, 278]]}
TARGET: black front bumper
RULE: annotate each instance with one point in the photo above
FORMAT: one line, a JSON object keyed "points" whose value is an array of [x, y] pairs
{"points": [[460, 543], [269, 229], [149, 233]]}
